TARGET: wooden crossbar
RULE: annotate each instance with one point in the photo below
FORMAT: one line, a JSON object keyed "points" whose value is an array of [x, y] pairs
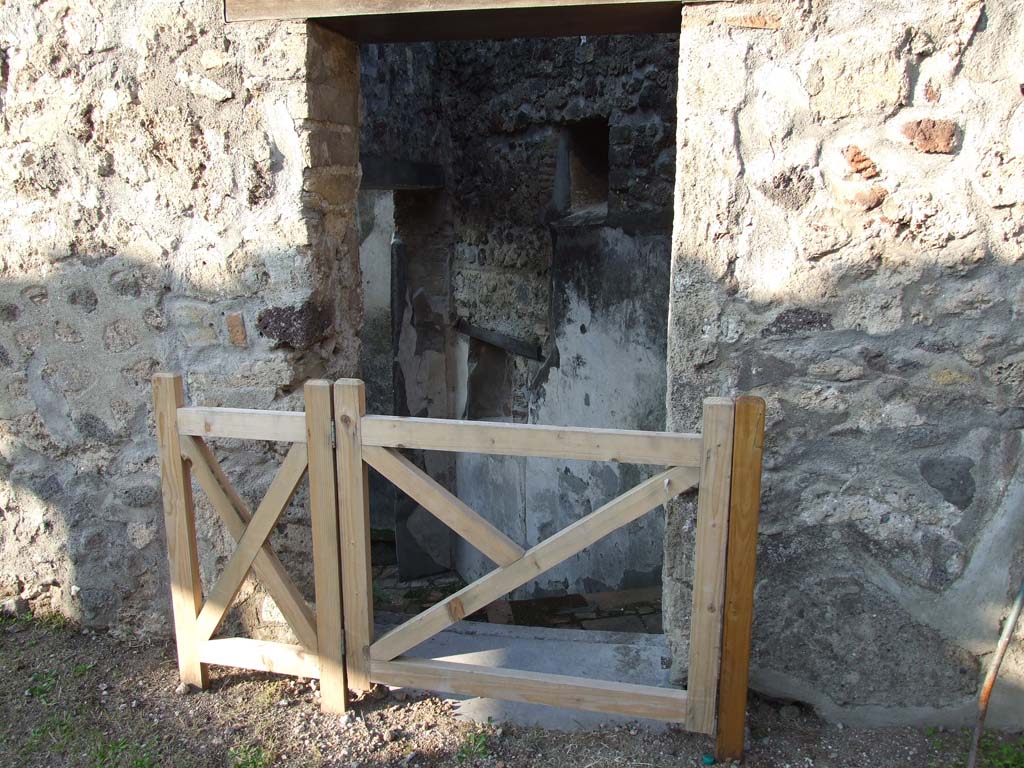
{"points": [[444, 505], [391, 21], [543, 557], [261, 656], [242, 424], [236, 516], [619, 445], [534, 687], [278, 495]]}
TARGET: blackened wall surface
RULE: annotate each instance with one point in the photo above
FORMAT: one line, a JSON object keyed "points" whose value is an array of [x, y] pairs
{"points": [[558, 157], [511, 107], [560, 167], [401, 115]]}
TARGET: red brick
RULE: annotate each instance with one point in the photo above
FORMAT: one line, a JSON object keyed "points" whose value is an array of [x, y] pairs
{"points": [[931, 136], [236, 330], [860, 163]]}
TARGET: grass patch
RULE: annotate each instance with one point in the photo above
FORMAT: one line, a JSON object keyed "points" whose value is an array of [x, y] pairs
{"points": [[270, 693], [250, 756], [122, 753], [53, 737], [52, 621], [474, 747], [950, 749], [1000, 753], [64, 735], [41, 686]]}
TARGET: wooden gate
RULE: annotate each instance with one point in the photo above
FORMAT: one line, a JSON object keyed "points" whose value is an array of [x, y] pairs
{"points": [[334, 442]]}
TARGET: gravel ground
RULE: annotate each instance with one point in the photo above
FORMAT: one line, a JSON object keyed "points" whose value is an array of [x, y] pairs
{"points": [[74, 698]]}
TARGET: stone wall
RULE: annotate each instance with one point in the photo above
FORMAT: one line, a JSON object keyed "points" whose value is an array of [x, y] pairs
{"points": [[849, 229], [179, 195], [402, 102], [510, 124]]}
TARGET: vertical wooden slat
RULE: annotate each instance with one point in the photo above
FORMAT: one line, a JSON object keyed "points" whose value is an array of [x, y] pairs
{"points": [[744, 510], [357, 590], [180, 528], [709, 568], [326, 554]]}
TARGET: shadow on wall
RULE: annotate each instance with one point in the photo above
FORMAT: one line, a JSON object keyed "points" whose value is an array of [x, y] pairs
{"points": [[181, 199], [80, 500], [892, 527]]}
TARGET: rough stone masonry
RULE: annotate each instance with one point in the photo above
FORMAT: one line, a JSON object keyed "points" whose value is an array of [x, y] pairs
{"points": [[178, 194], [848, 242]]}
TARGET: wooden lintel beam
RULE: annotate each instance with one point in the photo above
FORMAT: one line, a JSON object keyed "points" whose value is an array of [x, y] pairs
{"points": [[251, 10], [500, 340], [396, 21]]}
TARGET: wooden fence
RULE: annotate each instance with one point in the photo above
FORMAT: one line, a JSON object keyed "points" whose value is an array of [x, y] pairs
{"points": [[334, 442]]}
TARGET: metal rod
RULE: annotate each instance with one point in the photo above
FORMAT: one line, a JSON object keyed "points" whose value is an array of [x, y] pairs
{"points": [[993, 671]]}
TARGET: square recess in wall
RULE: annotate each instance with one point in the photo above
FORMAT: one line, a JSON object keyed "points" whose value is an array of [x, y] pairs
{"points": [[588, 170], [581, 182]]}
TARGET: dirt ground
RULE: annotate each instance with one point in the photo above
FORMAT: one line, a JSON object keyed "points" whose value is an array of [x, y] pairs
{"points": [[76, 698]]}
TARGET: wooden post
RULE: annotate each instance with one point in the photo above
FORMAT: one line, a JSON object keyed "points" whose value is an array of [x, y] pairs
{"points": [[709, 566], [744, 509], [180, 527], [326, 553], [357, 586]]}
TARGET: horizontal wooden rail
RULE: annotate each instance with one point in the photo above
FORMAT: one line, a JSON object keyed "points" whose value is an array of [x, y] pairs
{"points": [[618, 445], [242, 424], [625, 446], [534, 687], [262, 656]]}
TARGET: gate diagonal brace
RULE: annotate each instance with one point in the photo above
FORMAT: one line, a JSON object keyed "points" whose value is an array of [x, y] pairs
{"points": [[278, 495], [628, 507], [236, 515], [443, 505]]}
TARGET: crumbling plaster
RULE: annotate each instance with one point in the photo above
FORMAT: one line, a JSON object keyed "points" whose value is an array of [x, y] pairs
{"points": [[848, 234]]}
